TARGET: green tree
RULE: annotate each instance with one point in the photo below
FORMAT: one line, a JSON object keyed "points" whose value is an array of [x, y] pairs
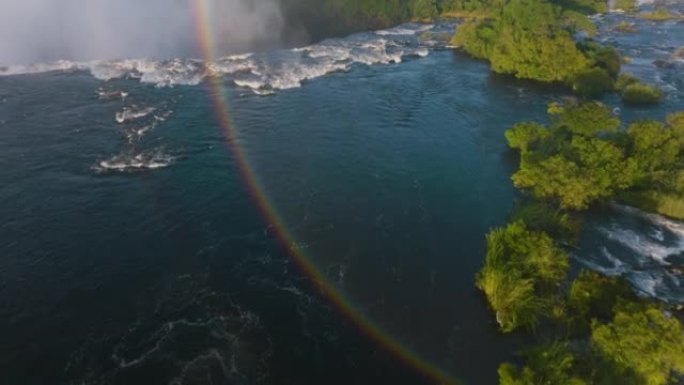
{"points": [[593, 295], [529, 39], [522, 135], [550, 364], [653, 145], [588, 119], [592, 82], [642, 339], [520, 267], [641, 94]]}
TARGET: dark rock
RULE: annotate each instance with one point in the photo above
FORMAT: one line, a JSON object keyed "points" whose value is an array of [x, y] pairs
{"points": [[664, 64]]}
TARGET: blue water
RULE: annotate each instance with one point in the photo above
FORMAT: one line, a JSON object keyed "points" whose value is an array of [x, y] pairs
{"points": [[133, 252]]}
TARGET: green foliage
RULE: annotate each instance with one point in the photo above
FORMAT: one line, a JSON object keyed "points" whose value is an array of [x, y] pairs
{"points": [[540, 216], [575, 184], [582, 158], [625, 27], [586, 6], [634, 91], [531, 39], [626, 5], [660, 14], [521, 266], [624, 80], [644, 340], [511, 297], [670, 204], [477, 37], [603, 57], [593, 295], [522, 135], [653, 145], [548, 364], [592, 82], [588, 119], [641, 93], [657, 150], [424, 9]]}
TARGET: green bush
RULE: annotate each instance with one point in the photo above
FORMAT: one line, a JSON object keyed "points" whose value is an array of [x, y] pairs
{"points": [[625, 80], [641, 94], [551, 364], [592, 82], [625, 27], [589, 119], [626, 5], [593, 295], [660, 14], [540, 216], [522, 268], [531, 39], [644, 340]]}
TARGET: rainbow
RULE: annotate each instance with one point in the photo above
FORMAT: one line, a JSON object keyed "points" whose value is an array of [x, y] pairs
{"points": [[202, 14]]}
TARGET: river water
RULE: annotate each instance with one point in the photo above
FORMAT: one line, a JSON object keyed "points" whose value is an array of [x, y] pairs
{"points": [[146, 239]]}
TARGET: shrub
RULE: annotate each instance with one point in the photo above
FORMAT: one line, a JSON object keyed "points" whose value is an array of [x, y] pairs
{"points": [[660, 14], [592, 82], [626, 5], [624, 80], [625, 27], [641, 94], [520, 267], [549, 364], [644, 340], [593, 295]]}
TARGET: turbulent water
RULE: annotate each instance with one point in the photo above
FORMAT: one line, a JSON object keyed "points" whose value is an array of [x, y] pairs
{"points": [[134, 253]]}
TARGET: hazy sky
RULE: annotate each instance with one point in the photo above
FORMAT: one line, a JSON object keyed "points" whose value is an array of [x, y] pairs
{"points": [[44, 30]]}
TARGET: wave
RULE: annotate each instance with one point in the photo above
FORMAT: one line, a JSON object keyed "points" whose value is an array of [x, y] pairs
{"points": [[148, 160], [401, 30], [133, 113], [262, 73], [644, 248], [103, 94], [58, 66], [642, 245]]}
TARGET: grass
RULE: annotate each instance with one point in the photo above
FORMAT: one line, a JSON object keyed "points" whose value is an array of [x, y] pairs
{"points": [[625, 27], [669, 205], [660, 14]]}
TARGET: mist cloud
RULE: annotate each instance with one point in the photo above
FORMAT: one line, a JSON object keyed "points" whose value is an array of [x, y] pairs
{"points": [[47, 30]]}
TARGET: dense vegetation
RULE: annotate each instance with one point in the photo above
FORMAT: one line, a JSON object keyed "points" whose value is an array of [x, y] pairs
{"points": [[536, 39], [592, 330], [596, 330], [659, 14], [323, 18], [634, 91]]}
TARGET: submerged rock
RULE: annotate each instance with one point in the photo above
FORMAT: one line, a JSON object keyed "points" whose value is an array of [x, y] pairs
{"points": [[678, 53], [664, 64]]}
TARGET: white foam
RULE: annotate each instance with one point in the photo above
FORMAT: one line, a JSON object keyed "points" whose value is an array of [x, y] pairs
{"points": [[646, 282], [642, 245], [263, 73], [618, 267], [405, 30], [132, 113], [643, 256], [58, 66], [103, 94], [150, 160]]}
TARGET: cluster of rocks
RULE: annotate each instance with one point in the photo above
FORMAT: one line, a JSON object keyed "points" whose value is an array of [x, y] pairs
{"points": [[677, 56]]}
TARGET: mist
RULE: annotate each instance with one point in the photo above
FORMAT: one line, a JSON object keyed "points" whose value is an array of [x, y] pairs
{"points": [[46, 30]]}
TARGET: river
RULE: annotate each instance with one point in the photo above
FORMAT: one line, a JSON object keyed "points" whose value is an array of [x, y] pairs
{"points": [[305, 216]]}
